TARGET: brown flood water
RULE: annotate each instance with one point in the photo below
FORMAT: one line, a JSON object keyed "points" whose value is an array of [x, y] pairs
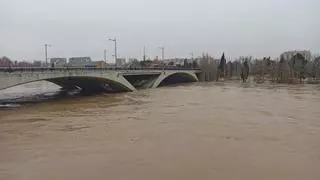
{"points": [[197, 131]]}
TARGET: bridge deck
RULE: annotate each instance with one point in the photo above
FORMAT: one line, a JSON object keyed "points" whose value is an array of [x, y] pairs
{"points": [[123, 70]]}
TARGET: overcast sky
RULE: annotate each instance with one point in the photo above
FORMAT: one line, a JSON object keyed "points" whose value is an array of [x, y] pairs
{"points": [[81, 27]]}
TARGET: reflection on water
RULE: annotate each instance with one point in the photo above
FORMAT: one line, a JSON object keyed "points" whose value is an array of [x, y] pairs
{"points": [[197, 131]]}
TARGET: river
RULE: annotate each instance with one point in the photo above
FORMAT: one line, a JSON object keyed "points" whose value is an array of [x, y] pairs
{"points": [[205, 131]]}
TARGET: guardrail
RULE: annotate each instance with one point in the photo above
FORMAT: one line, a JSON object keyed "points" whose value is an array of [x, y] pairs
{"points": [[41, 69]]}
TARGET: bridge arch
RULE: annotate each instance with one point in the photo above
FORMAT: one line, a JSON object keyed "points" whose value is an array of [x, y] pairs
{"points": [[167, 78], [86, 83], [90, 84], [98, 79]]}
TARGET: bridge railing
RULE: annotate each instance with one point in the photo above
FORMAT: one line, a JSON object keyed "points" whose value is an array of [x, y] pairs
{"points": [[44, 69]]}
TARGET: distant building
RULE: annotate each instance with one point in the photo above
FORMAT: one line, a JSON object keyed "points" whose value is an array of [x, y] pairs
{"points": [[287, 56], [174, 62], [80, 62], [23, 64], [37, 63], [99, 64], [58, 62]]}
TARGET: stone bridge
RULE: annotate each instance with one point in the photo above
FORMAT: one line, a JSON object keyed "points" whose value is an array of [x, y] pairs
{"points": [[95, 79]]}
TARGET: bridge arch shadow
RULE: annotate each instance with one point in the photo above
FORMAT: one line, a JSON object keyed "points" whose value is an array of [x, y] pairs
{"points": [[176, 78]]}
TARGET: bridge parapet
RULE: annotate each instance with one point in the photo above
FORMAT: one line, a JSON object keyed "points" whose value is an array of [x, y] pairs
{"points": [[37, 69]]}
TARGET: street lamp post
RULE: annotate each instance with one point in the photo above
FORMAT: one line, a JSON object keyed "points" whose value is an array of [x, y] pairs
{"points": [[162, 52], [191, 55], [46, 52], [105, 55], [144, 53], [115, 48]]}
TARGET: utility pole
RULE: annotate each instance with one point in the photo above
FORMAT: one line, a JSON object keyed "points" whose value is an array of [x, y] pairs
{"points": [[162, 49], [115, 48], [144, 53], [46, 52], [105, 55], [191, 55]]}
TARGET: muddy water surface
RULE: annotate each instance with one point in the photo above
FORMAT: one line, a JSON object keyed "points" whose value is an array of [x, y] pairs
{"points": [[197, 131]]}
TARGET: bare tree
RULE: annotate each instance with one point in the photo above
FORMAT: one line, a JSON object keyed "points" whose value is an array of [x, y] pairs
{"points": [[298, 64]]}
